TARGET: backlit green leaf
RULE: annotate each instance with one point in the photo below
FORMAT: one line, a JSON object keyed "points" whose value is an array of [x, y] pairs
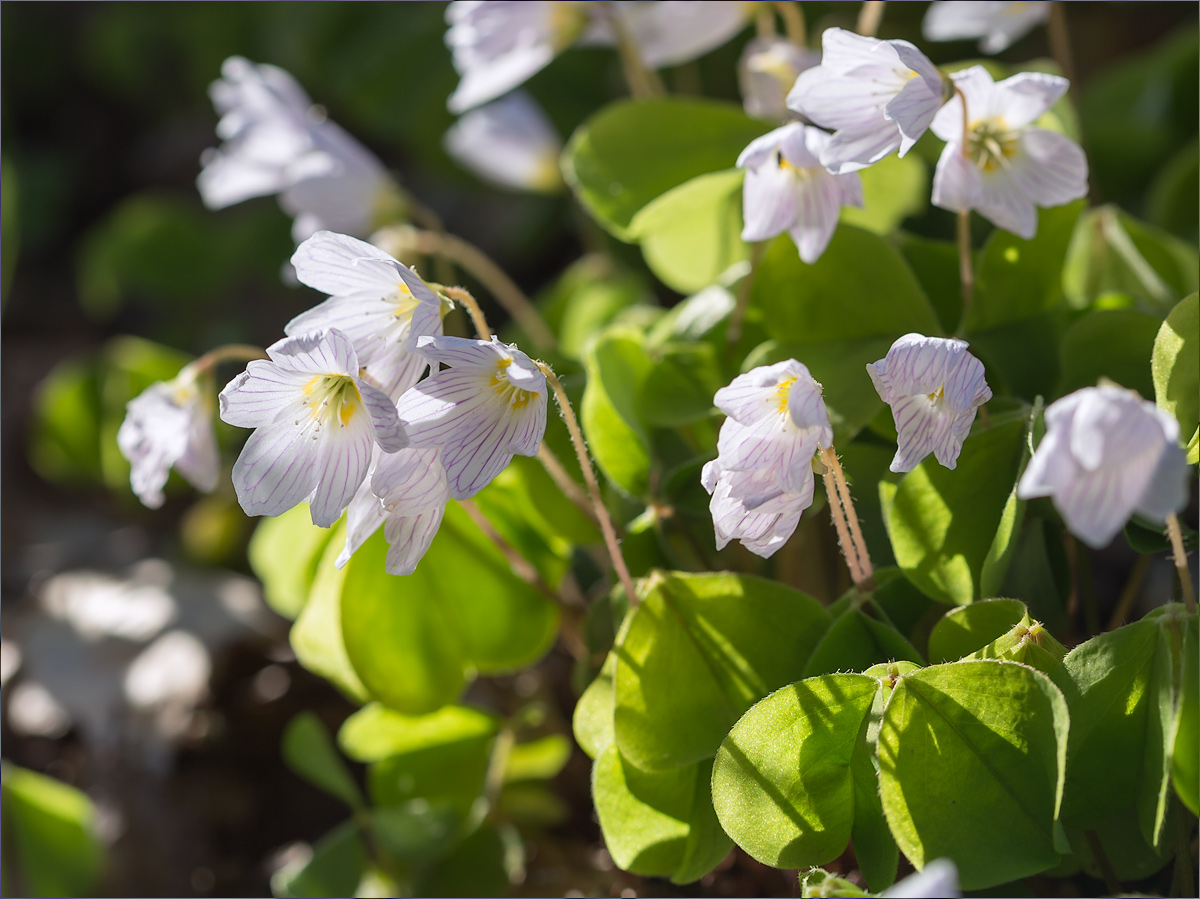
{"points": [[309, 752]]}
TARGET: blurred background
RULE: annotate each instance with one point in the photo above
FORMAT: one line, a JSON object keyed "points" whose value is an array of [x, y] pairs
{"points": [[140, 663]]}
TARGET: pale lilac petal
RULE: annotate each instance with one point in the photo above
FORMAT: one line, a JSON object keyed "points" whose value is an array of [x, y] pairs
{"points": [[341, 467], [322, 352], [748, 397], [1006, 205], [509, 142], [277, 468], [913, 109], [767, 70], [839, 102], [999, 24], [431, 411], [762, 531], [1021, 99], [461, 352], [168, 425], [338, 265], [364, 516], [387, 430], [768, 202], [409, 538], [200, 463], [851, 151], [762, 148], [672, 32], [263, 393], [1168, 482], [479, 85], [918, 62], [476, 452], [817, 217], [937, 880], [1050, 168], [957, 185], [844, 51]]}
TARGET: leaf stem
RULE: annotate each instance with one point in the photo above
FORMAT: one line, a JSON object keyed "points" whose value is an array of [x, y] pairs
{"points": [[965, 273], [1179, 557], [869, 17], [1106, 869], [1129, 593], [563, 480], [589, 476], [1183, 851]]}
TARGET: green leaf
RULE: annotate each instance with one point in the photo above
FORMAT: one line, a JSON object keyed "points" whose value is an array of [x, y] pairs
{"points": [[1016, 278], [476, 867], [417, 831], [860, 636], [592, 721], [1021, 358], [375, 732], [680, 384], [658, 824], [1111, 343], [731, 639], [782, 781], [952, 531], [334, 867], [1186, 752], [316, 637], [820, 884], [50, 826], [10, 232], [309, 752], [284, 554], [587, 296], [692, 234], [838, 298], [1125, 709], [539, 759], [446, 776], [893, 189], [1171, 201], [971, 764], [634, 151], [1175, 365], [963, 631], [617, 366], [935, 263]]}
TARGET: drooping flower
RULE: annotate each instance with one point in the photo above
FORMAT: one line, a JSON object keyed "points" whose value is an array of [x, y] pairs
{"points": [[277, 142], [487, 407], [937, 880], [998, 24], [762, 479], [169, 425], [1008, 167], [787, 189], [877, 97], [316, 424], [496, 45], [767, 71], [672, 32], [509, 142], [1107, 454], [379, 303], [934, 385], [406, 493]]}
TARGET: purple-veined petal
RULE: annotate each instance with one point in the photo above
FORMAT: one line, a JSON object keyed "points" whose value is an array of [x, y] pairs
{"points": [[431, 411], [818, 206], [1050, 168], [768, 202], [840, 102], [364, 516], [387, 430], [957, 184], [277, 468], [409, 538], [263, 393], [341, 466], [761, 148], [322, 352], [1006, 205], [338, 264], [1021, 99], [913, 109]]}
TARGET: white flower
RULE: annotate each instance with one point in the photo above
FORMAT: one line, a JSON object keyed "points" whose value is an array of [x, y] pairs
{"points": [[767, 70], [877, 96], [672, 32], [496, 45], [406, 493], [934, 387], [379, 303], [762, 478], [999, 24], [1107, 453], [937, 880], [509, 142], [787, 189], [169, 425], [489, 406], [277, 142], [316, 422], [1009, 168]]}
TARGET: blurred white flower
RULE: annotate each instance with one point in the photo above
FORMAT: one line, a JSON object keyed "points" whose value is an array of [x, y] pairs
{"points": [[937, 880], [1007, 167], [489, 406], [379, 303], [169, 425], [998, 24], [767, 71], [509, 142], [934, 387], [277, 142], [1107, 454], [877, 97], [762, 479], [672, 32], [316, 424], [787, 189]]}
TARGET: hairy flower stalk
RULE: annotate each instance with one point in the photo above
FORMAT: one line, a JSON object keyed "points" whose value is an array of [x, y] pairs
{"points": [[845, 522]]}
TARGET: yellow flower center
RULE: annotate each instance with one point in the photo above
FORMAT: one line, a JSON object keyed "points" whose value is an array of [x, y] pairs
{"points": [[990, 145], [332, 398], [505, 389], [783, 391]]}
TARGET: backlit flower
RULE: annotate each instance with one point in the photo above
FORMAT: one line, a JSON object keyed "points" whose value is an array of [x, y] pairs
{"points": [[277, 142], [787, 189], [934, 387], [877, 96], [672, 32], [997, 24], [767, 71], [487, 407], [379, 303], [509, 142], [316, 424], [169, 425], [762, 479], [1008, 167], [1107, 454]]}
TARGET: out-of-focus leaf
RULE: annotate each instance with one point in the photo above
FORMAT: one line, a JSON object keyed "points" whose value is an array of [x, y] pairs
{"points": [[416, 831], [375, 732], [1110, 343], [893, 189], [284, 553], [10, 234], [333, 867], [1175, 366], [935, 263], [476, 867], [309, 752], [617, 366], [680, 384], [586, 297], [539, 759], [1172, 203]]}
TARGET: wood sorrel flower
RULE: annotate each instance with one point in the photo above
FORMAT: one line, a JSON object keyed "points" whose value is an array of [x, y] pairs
{"points": [[1107, 453], [379, 303], [934, 387], [787, 189], [169, 425], [487, 407], [1007, 168], [277, 142], [762, 479], [767, 71], [316, 423], [509, 142], [877, 96], [998, 24]]}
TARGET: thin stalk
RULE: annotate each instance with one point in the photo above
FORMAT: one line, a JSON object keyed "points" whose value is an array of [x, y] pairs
{"points": [[965, 273], [1129, 593], [1179, 557], [643, 81], [478, 319], [493, 781], [793, 21], [589, 476], [563, 480], [232, 352], [839, 522], [1106, 869], [1082, 567], [520, 566], [845, 520], [869, 17], [1060, 44], [426, 218], [734, 332], [764, 22], [1183, 853]]}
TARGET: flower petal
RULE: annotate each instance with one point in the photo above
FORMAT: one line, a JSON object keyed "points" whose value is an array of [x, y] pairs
{"points": [[276, 469], [341, 467], [338, 264], [1050, 168]]}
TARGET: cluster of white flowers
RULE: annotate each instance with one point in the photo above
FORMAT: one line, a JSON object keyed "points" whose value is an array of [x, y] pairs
{"points": [[879, 97]]}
